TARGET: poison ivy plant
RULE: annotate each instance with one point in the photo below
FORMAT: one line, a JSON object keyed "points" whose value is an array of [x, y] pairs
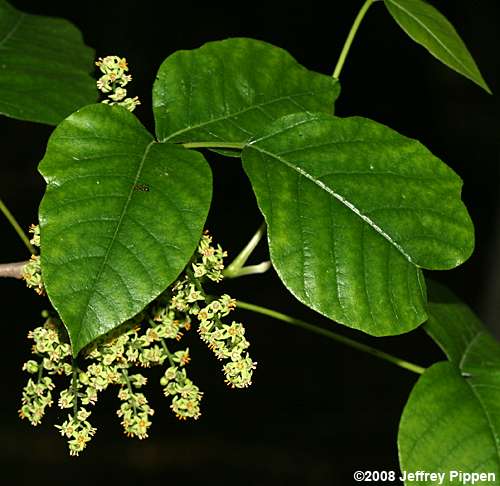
{"points": [[99, 197], [354, 213], [452, 418], [45, 69]]}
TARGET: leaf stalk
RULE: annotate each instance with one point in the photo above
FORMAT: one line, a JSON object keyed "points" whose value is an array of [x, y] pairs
{"points": [[350, 38], [221, 145], [331, 335], [12, 220], [235, 268]]}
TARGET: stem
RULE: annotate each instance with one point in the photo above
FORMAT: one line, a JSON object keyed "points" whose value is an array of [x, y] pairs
{"points": [[14, 269], [195, 281], [130, 389], [233, 269], [222, 145], [163, 345], [74, 387], [332, 335], [350, 38], [169, 355], [15, 225], [262, 267]]}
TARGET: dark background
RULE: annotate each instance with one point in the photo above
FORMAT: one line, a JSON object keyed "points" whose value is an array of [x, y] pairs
{"points": [[317, 411]]}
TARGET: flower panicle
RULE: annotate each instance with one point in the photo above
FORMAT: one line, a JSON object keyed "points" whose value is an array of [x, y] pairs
{"points": [[144, 344], [51, 356], [134, 409], [113, 82], [186, 396], [227, 342]]}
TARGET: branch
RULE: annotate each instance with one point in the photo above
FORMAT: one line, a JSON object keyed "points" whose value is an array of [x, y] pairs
{"points": [[14, 270]]}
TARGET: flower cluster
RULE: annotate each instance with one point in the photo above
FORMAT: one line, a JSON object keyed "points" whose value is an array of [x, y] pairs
{"points": [[227, 341], [134, 410], [144, 344], [78, 430], [212, 260], [36, 397], [114, 80], [52, 355], [186, 395], [32, 271]]}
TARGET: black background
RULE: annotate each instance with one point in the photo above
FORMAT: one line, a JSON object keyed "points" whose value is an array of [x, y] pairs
{"points": [[317, 411]]}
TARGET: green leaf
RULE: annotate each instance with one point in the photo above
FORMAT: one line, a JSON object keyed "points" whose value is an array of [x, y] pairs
{"points": [[353, 210], [429, 28], [121, 217], [446, 425], [225, 91], [44, 67], [452, 418]]}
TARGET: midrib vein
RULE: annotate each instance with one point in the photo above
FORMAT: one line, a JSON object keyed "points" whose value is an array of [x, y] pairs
{"points": [[240, 112], [13, 30], [337, 196], [113, 238]]}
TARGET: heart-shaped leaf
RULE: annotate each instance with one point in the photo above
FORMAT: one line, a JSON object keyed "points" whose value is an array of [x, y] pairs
{"points": [[429, 28], [120, 219], [225, 91], [44, 67], [353, 210], [452, 418]]}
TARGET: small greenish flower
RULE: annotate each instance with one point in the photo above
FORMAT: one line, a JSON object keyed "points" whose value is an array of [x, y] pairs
{"points": [[66, 399], [130, 103], [138, 380], [182, 357], [31, 366], [119, 94]]}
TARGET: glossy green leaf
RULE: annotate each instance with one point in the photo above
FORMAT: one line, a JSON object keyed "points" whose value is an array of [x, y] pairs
{"points": [[446, 426], [225, 91], [452, 418], [429, 28], [45, 69], [353, 210], [120, 219]]}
